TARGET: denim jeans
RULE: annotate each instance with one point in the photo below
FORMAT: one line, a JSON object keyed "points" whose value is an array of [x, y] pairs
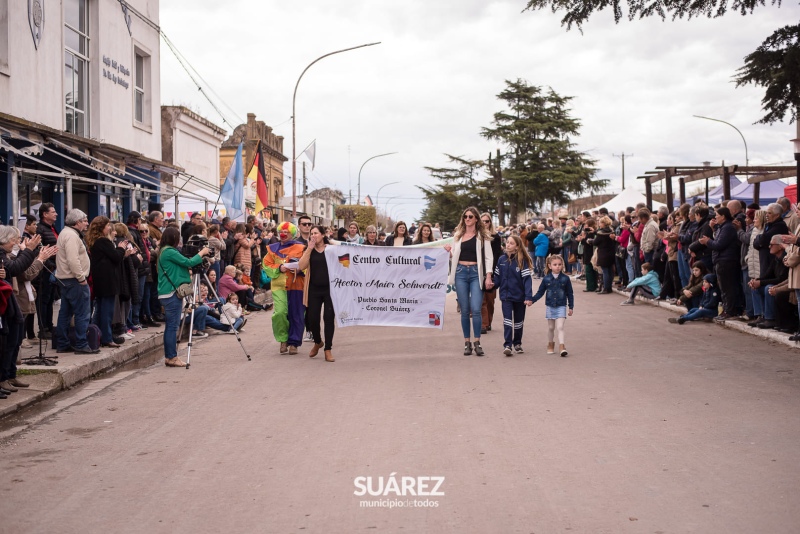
{"points": [[103, 317], [538, 265], [213, 322], [699, 313], [758, 300], [608, 279], [173, 305], [75, 301], [629, 267], [769, 304], [200, 317], [16, 333], [684, 271], [468, 289]]}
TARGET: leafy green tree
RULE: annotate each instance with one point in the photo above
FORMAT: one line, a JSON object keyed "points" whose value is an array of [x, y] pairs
{"points": [[775, 65], [541, 162], [458, 187]]}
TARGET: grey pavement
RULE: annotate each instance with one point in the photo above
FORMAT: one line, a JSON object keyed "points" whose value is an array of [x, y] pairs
{"points": [[645, 427]]}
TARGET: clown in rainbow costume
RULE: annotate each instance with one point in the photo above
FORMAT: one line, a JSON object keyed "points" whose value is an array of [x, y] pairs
{"points": [[280, 264]]}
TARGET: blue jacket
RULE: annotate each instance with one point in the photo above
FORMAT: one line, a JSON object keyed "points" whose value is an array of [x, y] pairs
{"points": [[710, 299], [559, 291], [725, 245], [542, 244], [650, 280], [515, 285]]}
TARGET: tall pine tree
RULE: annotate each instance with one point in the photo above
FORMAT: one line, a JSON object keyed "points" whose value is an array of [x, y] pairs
{"points": [[459, 186], [541, 163]]}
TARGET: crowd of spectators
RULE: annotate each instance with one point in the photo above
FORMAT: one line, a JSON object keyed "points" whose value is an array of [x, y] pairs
{"points": [[105, 273], [746, 255]]}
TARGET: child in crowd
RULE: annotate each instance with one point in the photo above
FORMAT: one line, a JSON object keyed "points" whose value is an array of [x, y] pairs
{"points": [[541, 244], [512, 276], [693, 291], [646, 285], [231, 311], [559, 295], [709, 304]]}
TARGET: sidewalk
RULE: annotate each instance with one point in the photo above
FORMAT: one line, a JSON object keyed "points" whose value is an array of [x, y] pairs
{"points": [[72, 369], [771, 335]]}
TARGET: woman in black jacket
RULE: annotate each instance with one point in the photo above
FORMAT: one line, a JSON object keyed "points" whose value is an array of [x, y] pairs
{"points": [[105, 259], [588, 250], [127, 272], [606, 243], [489, 295], [399, 237]]}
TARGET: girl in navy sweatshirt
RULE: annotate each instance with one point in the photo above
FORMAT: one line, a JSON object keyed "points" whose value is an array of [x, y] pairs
{"points": [[559, 295], [513, 277]]}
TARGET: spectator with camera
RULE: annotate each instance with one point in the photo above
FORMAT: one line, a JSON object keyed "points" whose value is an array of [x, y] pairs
{"points": [[174, 284]]}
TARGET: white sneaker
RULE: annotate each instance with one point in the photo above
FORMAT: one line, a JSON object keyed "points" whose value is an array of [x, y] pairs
{"points": [[199, 335], [309, 336], [26, 344], [127, 335]]}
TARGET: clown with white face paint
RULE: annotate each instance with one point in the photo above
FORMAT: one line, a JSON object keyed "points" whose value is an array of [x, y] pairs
{"points": [[280, 264]]}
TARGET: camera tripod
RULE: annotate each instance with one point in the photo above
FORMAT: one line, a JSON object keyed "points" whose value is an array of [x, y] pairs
{"points": [[189, 307]]}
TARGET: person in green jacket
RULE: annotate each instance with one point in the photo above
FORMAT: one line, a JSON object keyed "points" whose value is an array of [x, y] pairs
{"points": [[173, 270]]}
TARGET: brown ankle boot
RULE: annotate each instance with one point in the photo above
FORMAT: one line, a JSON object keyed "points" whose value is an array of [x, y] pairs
{"points": [[315, 349], [563, 350], [329, 356], [551, 347]]}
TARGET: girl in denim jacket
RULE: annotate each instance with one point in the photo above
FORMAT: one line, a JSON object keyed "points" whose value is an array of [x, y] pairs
{"points": [[559, 296]]}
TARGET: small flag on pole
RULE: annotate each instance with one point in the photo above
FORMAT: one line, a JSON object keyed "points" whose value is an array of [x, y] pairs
{"points": [[232, 194], [311, 152], [258, 174]]}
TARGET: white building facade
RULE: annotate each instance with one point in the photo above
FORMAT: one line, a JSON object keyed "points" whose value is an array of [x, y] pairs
{"points": [[80, 115]]}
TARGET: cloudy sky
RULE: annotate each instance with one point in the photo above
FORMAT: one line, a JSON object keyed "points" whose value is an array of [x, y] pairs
{"points": [[431, 84]]}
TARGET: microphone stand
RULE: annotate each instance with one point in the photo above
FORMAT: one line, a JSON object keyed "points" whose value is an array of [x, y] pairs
{"points": [[41, 358]]}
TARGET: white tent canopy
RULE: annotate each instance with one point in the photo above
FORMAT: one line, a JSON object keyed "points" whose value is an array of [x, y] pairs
{"points": [[191, 201], [627, 198]]}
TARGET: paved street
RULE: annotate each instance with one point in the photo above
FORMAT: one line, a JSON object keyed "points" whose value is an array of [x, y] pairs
{"points": [[645, 427]]}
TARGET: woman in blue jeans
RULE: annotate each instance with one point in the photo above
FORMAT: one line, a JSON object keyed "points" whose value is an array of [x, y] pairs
{"points": [[173, 270], [470, 255]]}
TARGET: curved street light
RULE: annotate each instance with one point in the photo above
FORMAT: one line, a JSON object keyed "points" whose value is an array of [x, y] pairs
{"points": [[358, 199], [294, 143], [746, 157], [379, 191]]}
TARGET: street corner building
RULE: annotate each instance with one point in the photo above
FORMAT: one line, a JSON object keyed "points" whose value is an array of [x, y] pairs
{"points": [[80, 120]]}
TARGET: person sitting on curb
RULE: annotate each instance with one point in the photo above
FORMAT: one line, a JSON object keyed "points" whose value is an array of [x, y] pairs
{"points": [[776, 302], [692, 293], [709, 304], [646, 285]]}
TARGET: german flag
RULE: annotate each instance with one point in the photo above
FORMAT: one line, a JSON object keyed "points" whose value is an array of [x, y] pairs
{"points": [[344, 259], [260, 177]]}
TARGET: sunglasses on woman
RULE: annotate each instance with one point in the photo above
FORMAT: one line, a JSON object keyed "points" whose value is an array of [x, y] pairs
{"points": [[469, 216]]}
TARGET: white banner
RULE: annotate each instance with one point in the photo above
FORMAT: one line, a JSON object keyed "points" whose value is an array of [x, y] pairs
{"points": [[388, 286]]}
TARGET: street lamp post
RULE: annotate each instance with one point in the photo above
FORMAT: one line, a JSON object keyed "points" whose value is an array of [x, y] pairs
{"points": [[378, 194], [358, 198], [294, 129], [746, 157], [796, 143]]}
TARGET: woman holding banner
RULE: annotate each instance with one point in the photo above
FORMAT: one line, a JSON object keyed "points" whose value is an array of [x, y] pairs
{"points": [[470, 260], [372, 237], [399, 237], [317, 291], [489, 295], [424, 234]]}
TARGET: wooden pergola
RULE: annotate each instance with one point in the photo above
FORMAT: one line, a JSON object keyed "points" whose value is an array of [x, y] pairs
{"points": [[686, 174]]}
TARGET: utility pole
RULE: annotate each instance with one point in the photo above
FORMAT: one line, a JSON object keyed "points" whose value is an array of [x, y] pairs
{"points": [[305, 189], [623, 156]]}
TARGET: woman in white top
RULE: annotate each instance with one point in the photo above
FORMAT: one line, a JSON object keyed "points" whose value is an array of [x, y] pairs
{"points": [[399, 237], [471, 261]]}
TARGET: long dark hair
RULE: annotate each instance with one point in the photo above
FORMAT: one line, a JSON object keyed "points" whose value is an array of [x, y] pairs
{"points": [[324, 231], [170, 238]]}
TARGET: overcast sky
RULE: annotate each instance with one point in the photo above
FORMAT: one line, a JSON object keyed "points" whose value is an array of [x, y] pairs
{"points": [[431, 84]]}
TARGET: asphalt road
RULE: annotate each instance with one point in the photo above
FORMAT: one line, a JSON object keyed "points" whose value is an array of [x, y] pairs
{"points": [[645, 427]]}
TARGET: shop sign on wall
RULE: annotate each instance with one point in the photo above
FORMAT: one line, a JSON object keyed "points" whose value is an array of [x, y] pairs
{"points": [[114, 71]]}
